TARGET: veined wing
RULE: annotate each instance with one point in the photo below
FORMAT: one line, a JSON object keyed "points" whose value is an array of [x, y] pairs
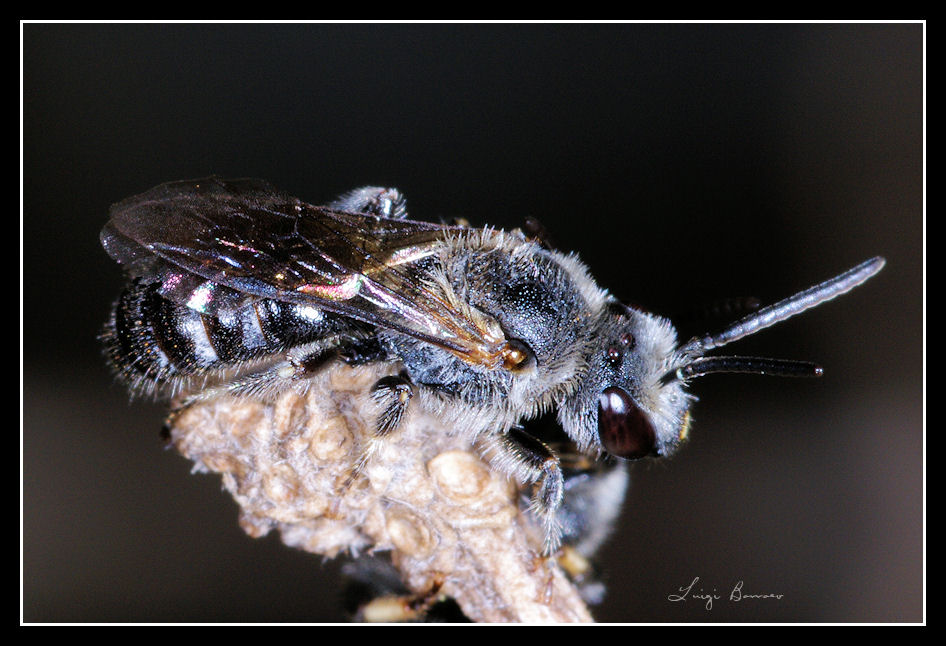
{"points": [[243, 239]]}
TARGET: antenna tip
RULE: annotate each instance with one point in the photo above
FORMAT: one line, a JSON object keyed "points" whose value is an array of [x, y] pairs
{"points": [[864, 271]]}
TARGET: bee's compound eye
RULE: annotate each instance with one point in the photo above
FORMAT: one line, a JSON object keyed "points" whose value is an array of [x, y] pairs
{"points": [[624, 428]]}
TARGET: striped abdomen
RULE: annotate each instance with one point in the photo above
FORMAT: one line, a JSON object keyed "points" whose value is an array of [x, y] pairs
{"points": [[151, 341]]}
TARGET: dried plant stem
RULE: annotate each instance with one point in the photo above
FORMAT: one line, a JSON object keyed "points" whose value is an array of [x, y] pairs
{"points": [[307, 465]]}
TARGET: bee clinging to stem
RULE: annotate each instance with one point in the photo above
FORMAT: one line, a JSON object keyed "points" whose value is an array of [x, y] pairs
{"points": [[237, 288]]}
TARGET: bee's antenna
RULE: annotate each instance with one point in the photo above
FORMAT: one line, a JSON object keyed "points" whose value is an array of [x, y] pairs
{"points": [[746, 365], [785, 309]]}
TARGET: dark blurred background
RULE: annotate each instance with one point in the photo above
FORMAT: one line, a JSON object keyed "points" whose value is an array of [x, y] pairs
{"points": [[686, 163]]}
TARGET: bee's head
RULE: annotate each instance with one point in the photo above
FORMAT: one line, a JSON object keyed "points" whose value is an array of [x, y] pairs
{"points": [[624, 406], [632, 400]]}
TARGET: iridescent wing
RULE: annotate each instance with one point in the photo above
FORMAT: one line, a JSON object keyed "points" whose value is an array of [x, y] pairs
{"points": [[215, 244]]}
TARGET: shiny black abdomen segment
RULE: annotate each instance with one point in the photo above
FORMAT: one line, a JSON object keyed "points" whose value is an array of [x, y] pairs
{"points": [[150, 339]]}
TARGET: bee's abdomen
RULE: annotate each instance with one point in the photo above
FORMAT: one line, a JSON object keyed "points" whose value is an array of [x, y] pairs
{"points": [[151, 340]]}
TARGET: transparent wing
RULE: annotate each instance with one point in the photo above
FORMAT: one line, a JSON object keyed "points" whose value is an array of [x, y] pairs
{"points": [[214, 244]]}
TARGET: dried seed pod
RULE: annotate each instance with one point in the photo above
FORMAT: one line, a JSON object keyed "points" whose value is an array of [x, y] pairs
{"points": [[304, 464]]}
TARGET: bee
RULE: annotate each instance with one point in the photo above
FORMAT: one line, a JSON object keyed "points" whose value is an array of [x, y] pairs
{"points": [[237, 288]]}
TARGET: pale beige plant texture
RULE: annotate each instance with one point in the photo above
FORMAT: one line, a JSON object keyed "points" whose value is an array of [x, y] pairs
{"points": [[307, 464]]}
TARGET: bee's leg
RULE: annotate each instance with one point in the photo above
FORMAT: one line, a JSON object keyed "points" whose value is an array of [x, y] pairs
{"points": [[375, 200], [392, 395], [265, 382], [374, 592], [531, 461], [274, 379], [535, 230]]}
